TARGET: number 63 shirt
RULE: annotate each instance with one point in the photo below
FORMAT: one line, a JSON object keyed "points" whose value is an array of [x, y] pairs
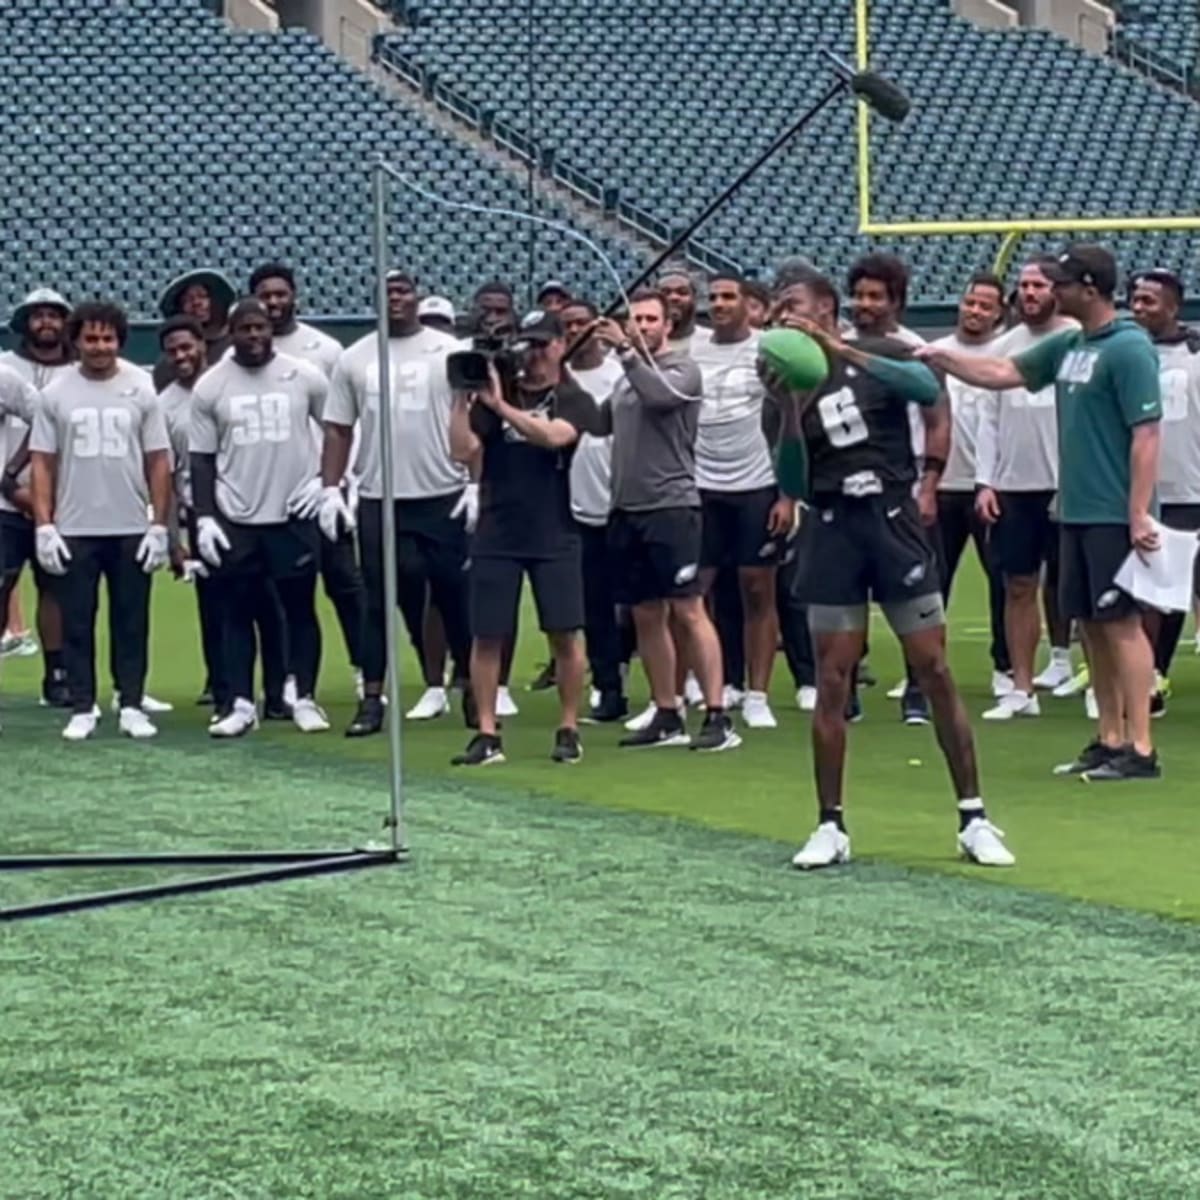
{"points": [[100, 431], [256, 421]]}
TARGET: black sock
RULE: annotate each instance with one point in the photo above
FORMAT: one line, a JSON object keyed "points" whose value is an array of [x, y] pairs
{"points": [[973, 809], [832, 814], [716, 713]]}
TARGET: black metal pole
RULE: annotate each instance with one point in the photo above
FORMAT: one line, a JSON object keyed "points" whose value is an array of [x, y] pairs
{"points": [[211, 883], [203, 858], [774, 148]]}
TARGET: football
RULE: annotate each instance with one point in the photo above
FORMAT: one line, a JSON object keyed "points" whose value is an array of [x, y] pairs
{"points": [[795, 357]]}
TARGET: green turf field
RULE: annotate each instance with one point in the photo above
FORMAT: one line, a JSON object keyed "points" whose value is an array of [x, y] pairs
{"points": [[602, 999]]}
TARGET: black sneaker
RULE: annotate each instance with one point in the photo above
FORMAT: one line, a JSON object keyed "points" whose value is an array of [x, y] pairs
{"points": [[276, 710], [914, 708], [545, 679], [205, 699], [483, 750], [1158, 704], [567, 746], [1094, 754], [612, 707], [866, 677], [854, 708], [666, 728], [1128, 764], [55, 693], [716, 734], [368, 718]]}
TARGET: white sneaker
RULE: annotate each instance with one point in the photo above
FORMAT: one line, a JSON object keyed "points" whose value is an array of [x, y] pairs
{"points": [[756, 711], [241, 720], [359, 690], [594, 698], [308, 717], [827, 846], [897, 693], [642, 720], [1073, 686], [1015, 704], [693, 695], [806, 699], [1090, 706], [290, 695], [80, 727], [1058, 671], [506, 706], [1002, 684], [18, 645], [134, 723], [732, 697], [982, 843], [149, 704], [433, 703]]}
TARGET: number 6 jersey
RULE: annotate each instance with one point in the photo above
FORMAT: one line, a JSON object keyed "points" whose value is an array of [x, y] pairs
{"points": [[857, 427], [256, 421], [100, 431]]}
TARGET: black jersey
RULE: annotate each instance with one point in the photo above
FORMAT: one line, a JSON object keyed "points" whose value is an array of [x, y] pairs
{"points": [[857, 430]]}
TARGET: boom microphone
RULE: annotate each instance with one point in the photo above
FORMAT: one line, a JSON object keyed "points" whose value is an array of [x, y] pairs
{"points": [[886, 98]]}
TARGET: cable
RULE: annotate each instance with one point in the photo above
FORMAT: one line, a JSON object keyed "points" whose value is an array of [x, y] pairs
{"points": [[558, 227]]}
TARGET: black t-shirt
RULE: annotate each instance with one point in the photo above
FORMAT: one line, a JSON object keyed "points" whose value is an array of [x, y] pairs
{"points": [[857, 426], [524, 490]]}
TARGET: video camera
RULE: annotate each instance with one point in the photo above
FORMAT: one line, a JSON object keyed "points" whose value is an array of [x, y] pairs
{"points": [[467, 370]]}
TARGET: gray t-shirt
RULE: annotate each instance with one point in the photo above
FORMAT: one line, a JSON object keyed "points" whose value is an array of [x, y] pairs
{"points": [[591, 464], [420, 412], [308, 343], [1016, 447], [14, 428], [732, 454], [1179, 456], [655, 411], [100, 431], [18, 399], [256, 421], [176, 402], [965, 403]]}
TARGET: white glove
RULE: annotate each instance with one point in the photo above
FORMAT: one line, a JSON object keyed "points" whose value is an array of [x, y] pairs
{"points": [[52, 552], [305, 503], [334, 513], [193, 569], [468, 507], [210, 540], [152, 551]]}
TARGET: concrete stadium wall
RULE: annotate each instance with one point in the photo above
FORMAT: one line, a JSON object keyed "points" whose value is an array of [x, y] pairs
{"points": [[345, 26]]}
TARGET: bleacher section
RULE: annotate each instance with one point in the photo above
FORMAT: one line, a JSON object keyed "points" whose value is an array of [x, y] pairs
{"points": [[666, 104], [1166, 31], [144, 137]]}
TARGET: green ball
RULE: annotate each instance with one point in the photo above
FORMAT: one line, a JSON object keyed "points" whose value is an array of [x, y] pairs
{"points": [[795, 357]]}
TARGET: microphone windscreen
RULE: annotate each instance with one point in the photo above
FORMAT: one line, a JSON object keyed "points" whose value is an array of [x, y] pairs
{"points": [[888, 99]]}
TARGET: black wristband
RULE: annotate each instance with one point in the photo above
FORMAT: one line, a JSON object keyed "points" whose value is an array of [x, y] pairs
{"points": [[931, 463]]}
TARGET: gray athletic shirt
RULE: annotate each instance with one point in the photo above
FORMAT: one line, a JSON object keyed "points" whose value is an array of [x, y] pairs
{"points": [[965, 403], [591, 464], [420, 412], [13, 429], [732, 454], [1179, 456], [18, 399], [308, 343], [256, 421], [100, 431], [176, 402], [655, 410]]}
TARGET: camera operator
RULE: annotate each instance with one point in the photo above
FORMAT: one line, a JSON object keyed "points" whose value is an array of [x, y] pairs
{"points": [[524, 425]]}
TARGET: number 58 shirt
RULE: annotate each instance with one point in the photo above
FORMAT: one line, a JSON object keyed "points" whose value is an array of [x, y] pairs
{"points": [[256, 421], [100, 431]]}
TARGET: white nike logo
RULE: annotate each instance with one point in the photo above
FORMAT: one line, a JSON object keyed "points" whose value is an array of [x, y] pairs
{"points": [[1150, 406], [893, 513]]}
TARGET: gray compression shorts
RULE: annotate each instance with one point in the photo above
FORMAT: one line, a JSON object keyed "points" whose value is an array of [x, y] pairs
{"points": [[904, 616]]}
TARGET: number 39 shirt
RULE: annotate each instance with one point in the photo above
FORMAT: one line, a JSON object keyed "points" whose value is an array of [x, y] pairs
{"points": [[100, 431], [256, 421]]}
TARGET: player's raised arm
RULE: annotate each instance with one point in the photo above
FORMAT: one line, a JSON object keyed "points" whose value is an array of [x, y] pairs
{"points": [[995, 374]]}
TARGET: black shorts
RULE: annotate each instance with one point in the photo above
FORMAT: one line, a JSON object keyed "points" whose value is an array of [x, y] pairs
{"points": [[735, 529], [655, 555], [16, 547], [1026, 536], [853, 550], [1090, 556], [289, 550], [495, 593]]}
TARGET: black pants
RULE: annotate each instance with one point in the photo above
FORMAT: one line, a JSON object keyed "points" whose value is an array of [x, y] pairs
{"points": [[958, 523], [431, 555], [269, 580], [344, 586], [729, 619], [609, 638], [78, 591], [1175, 516], [793, 622]]}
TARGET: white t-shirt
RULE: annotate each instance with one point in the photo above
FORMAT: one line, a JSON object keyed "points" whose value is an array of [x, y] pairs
{"points": [[13, 429], [591, 464], [420, 412], [1179, 457], [965, 402], [732, 454]]}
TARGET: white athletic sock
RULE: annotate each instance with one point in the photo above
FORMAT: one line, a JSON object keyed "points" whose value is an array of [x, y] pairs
{"points": [[1060, 654]]}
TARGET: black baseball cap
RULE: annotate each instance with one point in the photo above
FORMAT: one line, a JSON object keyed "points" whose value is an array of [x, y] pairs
{"points": [[539, 326], [552, 286], [1163, 276], [1088, 264]]}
